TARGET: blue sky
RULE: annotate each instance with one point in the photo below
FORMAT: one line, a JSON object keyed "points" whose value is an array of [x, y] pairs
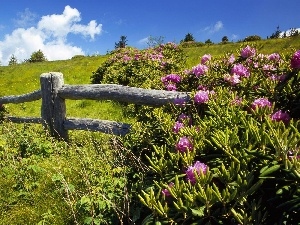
{"points": [[62, 29]]}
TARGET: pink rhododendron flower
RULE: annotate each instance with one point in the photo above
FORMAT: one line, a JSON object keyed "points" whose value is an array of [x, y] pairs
{"points": [[175, 78], [201, 97], [171, 87], [241, 70], [202, 87], [198, 167], [261, 102], [199, 70], [237, 101], [205, 58], [183, 118], [274, 57], [295, 61], [166, 192], [248, 52], [177, 127], [281, 116], [231, 59], [184, 144], [232, 79]]}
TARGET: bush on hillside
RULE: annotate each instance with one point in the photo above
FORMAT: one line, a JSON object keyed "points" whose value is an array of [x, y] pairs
{"points": [[140, 68], [252, 38], [191, 44], [230, 155]]}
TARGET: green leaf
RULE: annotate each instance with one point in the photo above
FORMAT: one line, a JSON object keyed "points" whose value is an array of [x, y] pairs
{"points": [[269, 170], [198, 212]]}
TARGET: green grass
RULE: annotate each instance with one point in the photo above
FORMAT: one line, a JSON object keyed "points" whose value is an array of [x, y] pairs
{"points": [[268, 46]]}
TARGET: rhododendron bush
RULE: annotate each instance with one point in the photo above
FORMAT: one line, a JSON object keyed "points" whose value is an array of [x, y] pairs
{"points": [[229, 155]]}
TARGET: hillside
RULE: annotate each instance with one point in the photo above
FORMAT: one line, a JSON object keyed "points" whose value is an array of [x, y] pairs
{"points": [[24, 78]]}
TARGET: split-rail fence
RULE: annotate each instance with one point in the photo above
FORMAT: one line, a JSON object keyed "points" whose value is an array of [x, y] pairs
{"points": [[54, 92]]}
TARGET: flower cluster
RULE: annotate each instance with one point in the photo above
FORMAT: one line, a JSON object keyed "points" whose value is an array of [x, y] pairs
{"points": [[184, 144], [199, 70], [170, 81], [201, 97], [248, 52], [261, 102], [197, 168], [295, 61], [281, 116]]}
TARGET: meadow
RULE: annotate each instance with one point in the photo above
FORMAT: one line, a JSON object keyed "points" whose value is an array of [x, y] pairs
{"points": [[101, 179]]}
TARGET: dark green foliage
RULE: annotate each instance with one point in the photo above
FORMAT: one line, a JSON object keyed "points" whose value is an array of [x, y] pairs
{"points": [[12, 61], [252, 38], [225, 39], [37, 56], [276, 34], [188, 38], [208, 41], [122, 43]]}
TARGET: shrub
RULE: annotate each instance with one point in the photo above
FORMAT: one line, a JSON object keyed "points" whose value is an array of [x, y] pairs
{"points": [[231, 154], [140, 68], [252, 38]]}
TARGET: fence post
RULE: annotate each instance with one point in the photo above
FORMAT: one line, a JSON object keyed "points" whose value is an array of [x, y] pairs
{"points": [[53, 109]]}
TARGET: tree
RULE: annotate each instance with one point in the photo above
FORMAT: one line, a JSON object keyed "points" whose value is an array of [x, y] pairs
{"points": [[225, 39], [252, 38], [155, 41], [188, 37], [37, 56], [13, 60], [294, 32], [276, 34], [208, 41], [122, 42]]}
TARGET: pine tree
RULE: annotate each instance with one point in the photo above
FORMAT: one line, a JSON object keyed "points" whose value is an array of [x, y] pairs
{"points": [[13, 60], [37, 56], [122, 43]]}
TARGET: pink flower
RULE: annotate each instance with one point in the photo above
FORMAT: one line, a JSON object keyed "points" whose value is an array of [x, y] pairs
{"points": [[175, 78], [274, 57], [281, 116], [231, 59], [183, 117], [237, 101], [166, 192], [184, 144], [205, 58], [261, 102], [241, 70], [201, 97], [232, 79], [199, 70], [247, 52], [295, 61], [177, 127], [171, 87], [198, 167]]}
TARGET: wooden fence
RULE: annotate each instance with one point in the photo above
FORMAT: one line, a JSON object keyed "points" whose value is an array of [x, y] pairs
{"points": [[53, 93]]}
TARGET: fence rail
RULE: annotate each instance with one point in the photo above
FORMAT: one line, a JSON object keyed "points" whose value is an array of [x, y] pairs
{"points": [[53, 93]]}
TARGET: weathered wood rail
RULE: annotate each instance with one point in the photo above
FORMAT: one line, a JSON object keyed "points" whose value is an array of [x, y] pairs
{"points": [[53, 93]]}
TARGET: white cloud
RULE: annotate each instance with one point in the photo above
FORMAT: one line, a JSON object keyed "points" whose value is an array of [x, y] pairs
{"points": [[214, 28], [143, 41], [289, 32], [50, 36], [26, 18]]}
